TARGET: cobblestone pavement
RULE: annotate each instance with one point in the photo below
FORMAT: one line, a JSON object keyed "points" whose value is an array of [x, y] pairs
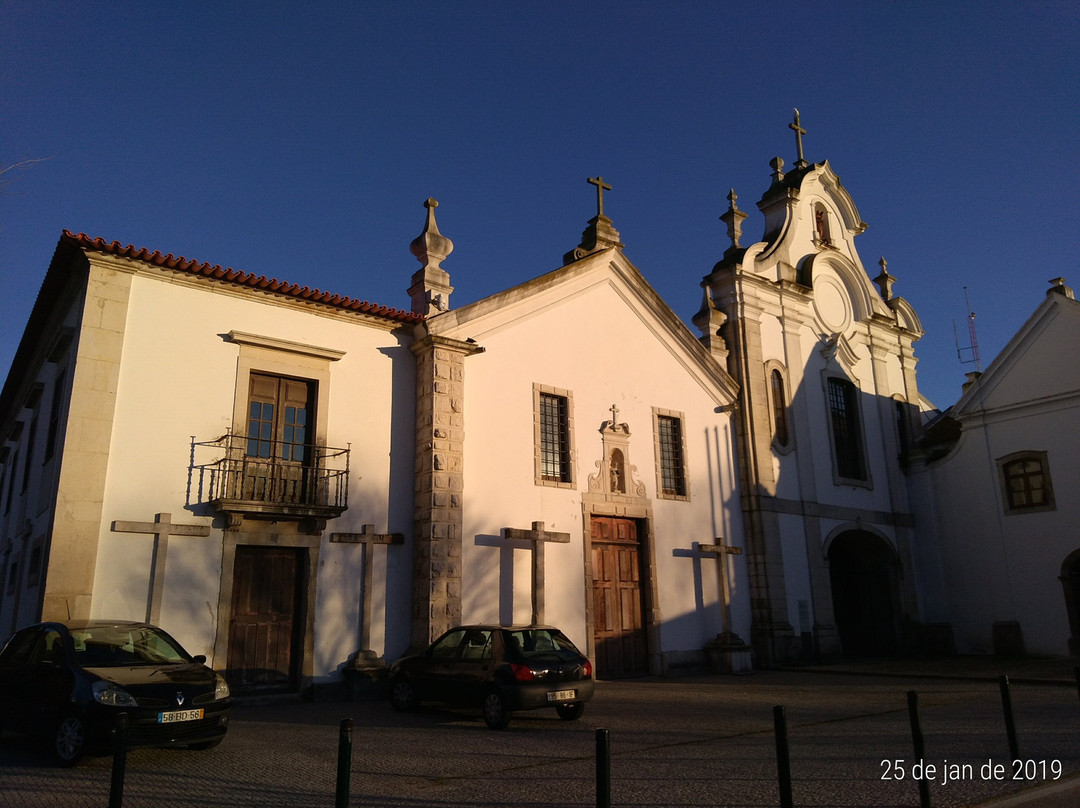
{"points": [[697, 741]]}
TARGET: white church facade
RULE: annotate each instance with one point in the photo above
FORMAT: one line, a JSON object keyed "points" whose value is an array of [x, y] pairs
{"points": [[284, 478], [296, 483]]}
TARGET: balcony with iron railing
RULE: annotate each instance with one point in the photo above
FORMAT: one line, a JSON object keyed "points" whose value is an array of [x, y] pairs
{"points": [[269, 479]]}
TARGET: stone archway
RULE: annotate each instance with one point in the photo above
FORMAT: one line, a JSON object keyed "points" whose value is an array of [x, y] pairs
{"points": [[1070, 580], [863, 572]]}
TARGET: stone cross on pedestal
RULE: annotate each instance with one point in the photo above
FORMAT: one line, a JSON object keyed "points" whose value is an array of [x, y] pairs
{"points": [[538, 536], [601, 186], [366, 537], [722, 551], [161, 528]]}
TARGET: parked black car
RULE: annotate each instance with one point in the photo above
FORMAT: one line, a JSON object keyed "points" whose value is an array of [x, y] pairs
{"points": [[68, 682], [498, 669]]}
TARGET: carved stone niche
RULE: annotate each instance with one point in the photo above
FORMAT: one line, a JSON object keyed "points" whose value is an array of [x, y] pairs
{"points": [[616, 476]]}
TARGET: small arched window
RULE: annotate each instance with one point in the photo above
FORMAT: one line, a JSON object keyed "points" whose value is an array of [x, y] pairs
{"points": [[781, 434], [1025, 479]]}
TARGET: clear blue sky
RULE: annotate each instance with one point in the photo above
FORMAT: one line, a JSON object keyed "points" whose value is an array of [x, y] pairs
{"points": [[299, 141]]}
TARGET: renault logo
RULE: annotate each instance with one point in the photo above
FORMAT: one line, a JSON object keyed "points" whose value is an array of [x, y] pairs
{"points": [[179, 699]]}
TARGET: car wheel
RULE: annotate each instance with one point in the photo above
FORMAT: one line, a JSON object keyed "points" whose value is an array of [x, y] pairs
{"points": [[69, 740], [496, 715], [570, 712], [403, 695]]}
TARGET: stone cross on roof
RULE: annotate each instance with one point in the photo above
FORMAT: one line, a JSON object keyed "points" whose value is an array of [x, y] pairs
{"points": [[799, 132], [601, 186]]}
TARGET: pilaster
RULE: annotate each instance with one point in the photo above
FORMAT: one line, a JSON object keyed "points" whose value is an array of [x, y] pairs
{"points": [[772, 635], [439, 484], [69, 582]]}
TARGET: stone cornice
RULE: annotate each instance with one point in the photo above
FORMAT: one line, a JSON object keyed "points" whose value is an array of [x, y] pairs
{"points": [[275, 344]]}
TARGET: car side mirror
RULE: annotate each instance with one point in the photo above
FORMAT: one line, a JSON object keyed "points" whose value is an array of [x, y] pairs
{"points": [[200, 658]]}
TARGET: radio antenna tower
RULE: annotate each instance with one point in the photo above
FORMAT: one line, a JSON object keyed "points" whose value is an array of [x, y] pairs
{"points": [[974, 339]]}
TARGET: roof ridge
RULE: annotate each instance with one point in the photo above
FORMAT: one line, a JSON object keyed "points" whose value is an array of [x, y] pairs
{"points": [[238, 277]]}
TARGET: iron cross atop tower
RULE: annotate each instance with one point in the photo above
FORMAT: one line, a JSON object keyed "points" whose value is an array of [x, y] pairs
{"points": [[799, 132], [601, 186]]}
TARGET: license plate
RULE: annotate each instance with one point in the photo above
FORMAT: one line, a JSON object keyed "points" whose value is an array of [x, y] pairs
{"points": [[179, 715], [562, 695]]}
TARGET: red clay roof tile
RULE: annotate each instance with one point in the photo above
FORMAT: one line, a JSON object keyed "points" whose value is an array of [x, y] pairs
{"points": [[238, 278]]}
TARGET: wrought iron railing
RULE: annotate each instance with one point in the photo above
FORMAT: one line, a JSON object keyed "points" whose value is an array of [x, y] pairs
{"points": [[253, 476]]}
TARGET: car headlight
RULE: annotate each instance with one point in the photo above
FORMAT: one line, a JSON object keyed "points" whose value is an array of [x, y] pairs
{"points": [[221, 688], [113, 695]]}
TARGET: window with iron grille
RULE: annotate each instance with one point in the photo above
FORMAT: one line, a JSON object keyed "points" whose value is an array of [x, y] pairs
{"points": [[672, 466], [554, 438], [846, 429], [1026, 482]]}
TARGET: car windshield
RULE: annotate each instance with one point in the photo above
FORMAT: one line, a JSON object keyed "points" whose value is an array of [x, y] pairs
{"points": [[535, 642], [115, 646]]}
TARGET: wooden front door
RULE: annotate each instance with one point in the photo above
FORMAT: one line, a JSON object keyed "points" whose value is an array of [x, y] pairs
{"points": [[265, 625], [618, 614]]}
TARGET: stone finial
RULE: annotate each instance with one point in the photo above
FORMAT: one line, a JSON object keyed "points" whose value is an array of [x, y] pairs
{"points": [[709, 320], [733, 218], [1058, 287], [885, 281], [430, 289], [777, 166], [431, 246]]}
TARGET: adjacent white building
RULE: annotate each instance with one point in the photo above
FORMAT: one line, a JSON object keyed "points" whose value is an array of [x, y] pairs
{"points": [[998, 488]]}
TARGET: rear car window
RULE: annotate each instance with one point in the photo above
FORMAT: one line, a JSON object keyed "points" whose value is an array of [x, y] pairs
{"points": [[541, 641]]}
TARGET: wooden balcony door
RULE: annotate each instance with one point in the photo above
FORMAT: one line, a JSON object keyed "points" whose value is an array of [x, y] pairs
{"points": [[266, 623], [618, 613], [280, 429]]}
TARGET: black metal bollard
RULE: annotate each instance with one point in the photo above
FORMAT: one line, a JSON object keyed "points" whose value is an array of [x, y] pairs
{"points": [[119, 761], [1010, 722], [344, 763], [783, 757], [603, 769], [919, 744], [1076, 672]]}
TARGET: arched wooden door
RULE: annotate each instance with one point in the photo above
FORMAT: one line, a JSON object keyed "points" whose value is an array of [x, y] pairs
{"points": [[618, 613]]}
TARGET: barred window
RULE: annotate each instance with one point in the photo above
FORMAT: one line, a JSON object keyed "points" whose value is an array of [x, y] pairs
{"points": [[672, 465], [846, 429], [554, 438]]}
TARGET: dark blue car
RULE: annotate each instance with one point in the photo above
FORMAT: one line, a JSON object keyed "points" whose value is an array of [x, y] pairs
{"points": [[69, 681], [498, 669]]}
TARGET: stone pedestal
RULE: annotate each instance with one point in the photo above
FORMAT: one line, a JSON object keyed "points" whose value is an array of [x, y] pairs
{"points": [[365, 676], [729, 654]]}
